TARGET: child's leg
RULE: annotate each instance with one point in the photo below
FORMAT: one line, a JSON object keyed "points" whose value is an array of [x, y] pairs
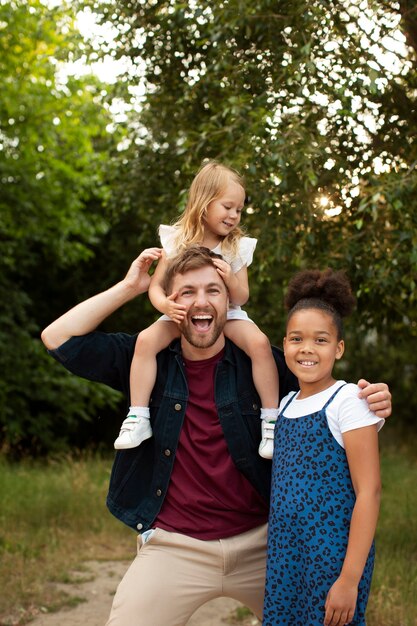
{"points": [[143, 367], [136, 427], [247, 336]]}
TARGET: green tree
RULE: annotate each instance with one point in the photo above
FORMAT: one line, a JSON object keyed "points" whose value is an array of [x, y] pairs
{"points": [[54, 172], [315, 102]]}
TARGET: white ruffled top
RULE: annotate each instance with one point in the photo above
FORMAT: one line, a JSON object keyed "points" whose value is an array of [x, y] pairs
{"points": [[244, 255]]}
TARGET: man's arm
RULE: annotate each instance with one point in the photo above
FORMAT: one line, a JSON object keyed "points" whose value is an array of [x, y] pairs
{"points": [[86, 316]]}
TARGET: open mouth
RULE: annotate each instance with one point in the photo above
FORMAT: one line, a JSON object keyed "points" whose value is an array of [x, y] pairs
{"points": [[307, 363], [202, 322]]}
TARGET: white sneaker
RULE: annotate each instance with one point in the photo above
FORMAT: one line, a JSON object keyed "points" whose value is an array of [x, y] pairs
{"points": [[266, 447], [134, 430]]}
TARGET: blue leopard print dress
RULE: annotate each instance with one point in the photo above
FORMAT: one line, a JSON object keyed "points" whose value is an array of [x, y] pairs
{"points": [[312, 499]]}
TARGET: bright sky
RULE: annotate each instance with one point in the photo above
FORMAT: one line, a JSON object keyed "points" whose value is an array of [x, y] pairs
{"points": [[388, 50], [107, 69]]}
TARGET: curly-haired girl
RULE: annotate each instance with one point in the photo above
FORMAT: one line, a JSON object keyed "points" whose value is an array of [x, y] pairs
{"points": [[325, 477]]}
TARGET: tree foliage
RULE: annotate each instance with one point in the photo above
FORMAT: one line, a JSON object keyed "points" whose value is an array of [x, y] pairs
{"points": [[315, 102], [53, 149]]}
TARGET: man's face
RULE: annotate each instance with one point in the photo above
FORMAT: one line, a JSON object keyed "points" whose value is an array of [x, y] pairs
{"points": [[204, 294]]}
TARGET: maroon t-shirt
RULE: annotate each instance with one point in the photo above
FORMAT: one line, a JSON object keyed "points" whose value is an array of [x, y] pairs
{"points": [[208, 498]]}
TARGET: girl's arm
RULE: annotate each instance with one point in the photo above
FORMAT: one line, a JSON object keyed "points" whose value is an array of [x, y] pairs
{"points": [[237, 284], [163, 303], [361, 447]]}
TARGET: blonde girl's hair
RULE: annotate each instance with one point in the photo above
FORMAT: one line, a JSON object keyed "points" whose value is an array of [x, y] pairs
{"points": [[209, 183]]}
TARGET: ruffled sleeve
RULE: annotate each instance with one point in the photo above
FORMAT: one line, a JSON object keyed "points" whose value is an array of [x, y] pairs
{"points": [[167, 236], [244, 255]]}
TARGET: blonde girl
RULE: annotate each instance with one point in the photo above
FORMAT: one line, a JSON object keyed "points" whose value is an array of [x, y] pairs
{"points": [[211, 219]]}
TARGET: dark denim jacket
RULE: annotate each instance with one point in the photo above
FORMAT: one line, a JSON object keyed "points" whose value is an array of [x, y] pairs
{"points": [[140, 476]]}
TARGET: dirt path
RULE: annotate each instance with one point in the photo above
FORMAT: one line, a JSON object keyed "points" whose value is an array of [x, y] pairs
{"points": [[98, 584]]}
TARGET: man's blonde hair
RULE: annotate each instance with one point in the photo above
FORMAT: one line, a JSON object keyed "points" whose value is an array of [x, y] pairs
{"points": [[192, 258]]}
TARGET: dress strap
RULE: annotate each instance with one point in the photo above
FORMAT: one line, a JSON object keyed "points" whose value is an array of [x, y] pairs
{"points": [[333, 396], [325, 406], [288, 402]]}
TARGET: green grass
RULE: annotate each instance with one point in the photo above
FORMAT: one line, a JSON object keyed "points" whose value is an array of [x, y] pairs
{"points": [[239, 615], [53, 518], [393, 600]]}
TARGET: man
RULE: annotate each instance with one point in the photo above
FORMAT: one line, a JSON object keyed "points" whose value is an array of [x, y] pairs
{"points": [[198, 490]]}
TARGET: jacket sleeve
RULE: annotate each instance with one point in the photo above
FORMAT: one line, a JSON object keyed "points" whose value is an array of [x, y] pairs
{"points": [[100, 357]]}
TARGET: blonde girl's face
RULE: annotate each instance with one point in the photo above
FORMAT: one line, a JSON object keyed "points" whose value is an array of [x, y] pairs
{"points": [[223, 214], [311, 347]]}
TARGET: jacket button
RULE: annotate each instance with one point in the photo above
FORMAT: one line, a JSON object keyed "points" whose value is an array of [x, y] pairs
{"points": [[177, 407], [158, 492], [167, 452], [255, 406], [139, 526]]}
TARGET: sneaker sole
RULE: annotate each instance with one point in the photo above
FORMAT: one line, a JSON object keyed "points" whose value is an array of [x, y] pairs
{"points": [[128, 446]]}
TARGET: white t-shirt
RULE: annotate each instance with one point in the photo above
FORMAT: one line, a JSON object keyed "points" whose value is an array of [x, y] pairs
{"points": [[345, 412]]}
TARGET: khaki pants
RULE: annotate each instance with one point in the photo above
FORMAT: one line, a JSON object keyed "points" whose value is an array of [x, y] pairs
{"points": [[173, 575]]}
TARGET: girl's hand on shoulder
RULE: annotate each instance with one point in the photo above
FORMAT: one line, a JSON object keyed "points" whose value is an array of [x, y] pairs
{"points": [[175, 311], [340, 603], [224, 269]]}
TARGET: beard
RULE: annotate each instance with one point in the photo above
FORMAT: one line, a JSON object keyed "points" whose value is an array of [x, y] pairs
{"points": [[207, 339]]}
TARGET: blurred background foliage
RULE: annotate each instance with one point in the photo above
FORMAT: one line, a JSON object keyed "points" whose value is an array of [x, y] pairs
{"points": [[314, 101]]}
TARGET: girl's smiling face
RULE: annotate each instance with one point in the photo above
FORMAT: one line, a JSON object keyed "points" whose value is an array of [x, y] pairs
{"points": [[311, 346], [223, 214]]}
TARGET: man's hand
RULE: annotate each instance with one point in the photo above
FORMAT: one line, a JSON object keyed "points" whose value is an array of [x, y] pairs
{"points": [[378, 397], [137, 278], [86, 316]]}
